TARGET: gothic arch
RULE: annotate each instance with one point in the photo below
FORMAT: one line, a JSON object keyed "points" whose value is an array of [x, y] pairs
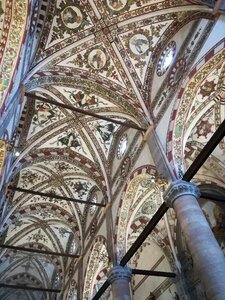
{"points": [[97, 266], [124, 214]]}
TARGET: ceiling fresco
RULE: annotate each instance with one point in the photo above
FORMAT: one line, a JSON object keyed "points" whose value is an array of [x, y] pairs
{"points": [[200, 110], [13, 15], [104, 57]]}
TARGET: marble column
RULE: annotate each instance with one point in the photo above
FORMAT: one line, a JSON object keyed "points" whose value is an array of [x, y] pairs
{"points": [[208, 259], [120, 277]]}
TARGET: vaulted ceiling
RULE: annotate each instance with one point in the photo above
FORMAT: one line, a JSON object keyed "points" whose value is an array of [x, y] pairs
{"points": [[121, 59]]}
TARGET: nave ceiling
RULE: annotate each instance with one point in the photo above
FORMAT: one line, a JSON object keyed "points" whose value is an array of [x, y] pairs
{"points": [[124, 60]]}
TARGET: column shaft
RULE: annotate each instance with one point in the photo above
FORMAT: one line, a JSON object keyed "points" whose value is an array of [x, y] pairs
{"points": [[207, 256], [121, 290]]}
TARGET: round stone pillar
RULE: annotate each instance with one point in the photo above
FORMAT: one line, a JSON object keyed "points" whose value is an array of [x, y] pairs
{"points": [[120, 277], [207, 256]]}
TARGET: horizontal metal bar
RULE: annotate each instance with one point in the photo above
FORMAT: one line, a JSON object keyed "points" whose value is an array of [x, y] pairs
{"points": [[211, 197], [54, 196], [84, 112], [32, 250], [153, 273], [30, 288]]}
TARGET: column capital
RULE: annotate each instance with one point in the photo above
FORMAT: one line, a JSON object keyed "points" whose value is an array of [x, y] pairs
{"points": [[118, 273], [180, 188]]}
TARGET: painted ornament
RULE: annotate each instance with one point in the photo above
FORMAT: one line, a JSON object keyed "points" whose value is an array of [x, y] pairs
{"points": [[125, 166], [177, 72], [71, 17], [116, 5], [138, 44], [97, 59]]}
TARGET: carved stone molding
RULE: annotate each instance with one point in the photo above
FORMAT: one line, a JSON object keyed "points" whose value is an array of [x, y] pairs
{"points": [[180, 188], [118, 273]]}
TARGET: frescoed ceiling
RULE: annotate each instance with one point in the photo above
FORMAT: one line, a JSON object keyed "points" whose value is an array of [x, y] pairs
{"points": [[13, 16], [200, 112], [107, 57]]}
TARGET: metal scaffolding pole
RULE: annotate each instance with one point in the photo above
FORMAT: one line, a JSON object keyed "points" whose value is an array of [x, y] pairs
{"points": [[153, 273], [216, 198], [84, 112], [32, 250], [18, 189], [30, 288]]}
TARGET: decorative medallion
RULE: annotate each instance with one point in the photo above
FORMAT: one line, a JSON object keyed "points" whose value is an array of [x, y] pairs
{"points": [[166, 58], [126, 166], [207, 88], [71, 17], [122, 146], [119, 6], [116, 6], [204, 128], [97, 59], [177, 72], [139, 44]]}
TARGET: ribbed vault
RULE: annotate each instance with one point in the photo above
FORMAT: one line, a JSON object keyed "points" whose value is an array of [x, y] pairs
{"points": [[109, 58]]}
